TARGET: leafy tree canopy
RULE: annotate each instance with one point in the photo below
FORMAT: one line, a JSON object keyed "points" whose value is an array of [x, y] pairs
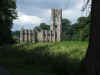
{"points": [[7, 14]]}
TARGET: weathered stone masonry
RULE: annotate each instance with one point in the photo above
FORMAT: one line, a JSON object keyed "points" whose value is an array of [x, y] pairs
{"points": [[44, 35]]}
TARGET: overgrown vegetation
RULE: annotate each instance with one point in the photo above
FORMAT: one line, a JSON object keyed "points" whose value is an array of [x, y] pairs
{"points": [[78, 31], [59, 58], [7, 14]]}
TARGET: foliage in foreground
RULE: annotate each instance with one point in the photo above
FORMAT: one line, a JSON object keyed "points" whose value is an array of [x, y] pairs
{"points": [[59, 58], [7, 15]]}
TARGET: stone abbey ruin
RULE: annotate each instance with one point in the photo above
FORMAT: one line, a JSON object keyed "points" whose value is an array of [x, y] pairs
{"points": [[53, 35]]}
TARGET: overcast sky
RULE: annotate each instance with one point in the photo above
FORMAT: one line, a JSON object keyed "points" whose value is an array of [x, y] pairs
{"points": [[33, 12]]}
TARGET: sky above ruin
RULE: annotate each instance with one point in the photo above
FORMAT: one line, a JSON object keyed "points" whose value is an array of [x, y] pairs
{"points": [[33, 12]]}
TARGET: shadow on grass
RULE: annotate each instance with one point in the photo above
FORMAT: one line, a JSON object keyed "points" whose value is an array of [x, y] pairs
{"points": [[37, 60]]}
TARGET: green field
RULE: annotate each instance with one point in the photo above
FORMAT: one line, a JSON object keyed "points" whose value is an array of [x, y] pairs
{"points": [[59, 58]]}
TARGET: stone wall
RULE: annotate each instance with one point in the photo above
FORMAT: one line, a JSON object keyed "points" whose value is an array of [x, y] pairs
{"points": [[27, 35]]}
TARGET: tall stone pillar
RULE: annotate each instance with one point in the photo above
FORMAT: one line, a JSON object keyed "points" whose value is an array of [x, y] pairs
{"points": [[46, 36], [50, 37], [53, 37], [33, 37], [26, 36], [29, 35], [22, 35], [43, 35]]}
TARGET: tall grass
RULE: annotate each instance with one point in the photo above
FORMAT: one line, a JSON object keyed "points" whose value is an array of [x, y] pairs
{"points": [[58, 58]]}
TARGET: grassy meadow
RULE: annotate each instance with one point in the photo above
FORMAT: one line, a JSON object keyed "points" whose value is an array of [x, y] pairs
{"points": [[58, 58]]}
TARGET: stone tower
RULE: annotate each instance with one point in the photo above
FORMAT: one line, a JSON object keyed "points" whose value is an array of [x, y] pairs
{"points": [[56, 24]]}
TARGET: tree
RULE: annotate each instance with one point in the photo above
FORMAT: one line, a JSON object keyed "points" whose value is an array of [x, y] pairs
{"points": [[80, 30], [75, 32], [66, 27], [7, 14], [85, 5], [37, 28], [44, 26], [91, 63], [15, 35], [85, 29], [84, 23]]}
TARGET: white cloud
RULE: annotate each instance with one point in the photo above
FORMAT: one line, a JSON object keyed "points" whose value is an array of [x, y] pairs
{"points": [[24, 19], [73, 13]]}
